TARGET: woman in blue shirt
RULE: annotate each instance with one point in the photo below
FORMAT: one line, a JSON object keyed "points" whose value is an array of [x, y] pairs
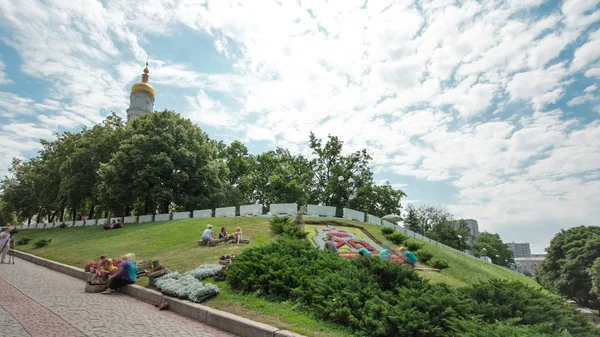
{"points": [[126, 274]]}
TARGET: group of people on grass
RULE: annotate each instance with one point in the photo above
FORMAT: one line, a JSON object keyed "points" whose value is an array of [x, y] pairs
{"points": [[406, 256], [235, 237], [115, 224], [117, 273]]}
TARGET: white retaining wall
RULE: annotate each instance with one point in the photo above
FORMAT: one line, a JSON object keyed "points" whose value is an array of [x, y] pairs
{"points": [[387, 224], [320, 211], [78, 223], [354, 215], [283, 209], [225, 211], [181, 215], [90, 222], [101, 221], [130, 219], [145, 218], [373, 220], [251, 210], [162, 217], [202, 213]]}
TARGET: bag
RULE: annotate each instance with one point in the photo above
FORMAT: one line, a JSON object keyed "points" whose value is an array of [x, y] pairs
{"points": [[95, 288]]}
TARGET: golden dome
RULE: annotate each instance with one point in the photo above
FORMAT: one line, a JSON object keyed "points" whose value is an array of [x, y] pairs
{"points": [[143, 86]]}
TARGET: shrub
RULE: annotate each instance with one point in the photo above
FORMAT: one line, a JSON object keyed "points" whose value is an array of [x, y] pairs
{"points": [[188, 285], [382, 299], [23, 241], [413, 246], [387, 231], [438, 264], [424, 256], [42, 243], [62, 226], [285, 227], [397, 238]]}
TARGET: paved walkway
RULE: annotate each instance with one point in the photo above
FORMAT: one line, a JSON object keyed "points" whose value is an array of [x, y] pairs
{"points": [[36, 301]]}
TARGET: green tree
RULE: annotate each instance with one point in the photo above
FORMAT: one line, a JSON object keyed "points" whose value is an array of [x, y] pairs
{"points": [[164, 162], [378, 200], [411, 220], [239, 164], [491, 245], [18, 191], [279, 177], [594, 272], [339, 178], [565, 270]]}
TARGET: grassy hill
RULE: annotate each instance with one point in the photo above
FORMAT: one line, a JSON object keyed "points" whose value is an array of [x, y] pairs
{"points": [[175, 244]]}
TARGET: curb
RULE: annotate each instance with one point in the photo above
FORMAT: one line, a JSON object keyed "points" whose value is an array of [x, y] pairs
{"points": [[216, 318]]}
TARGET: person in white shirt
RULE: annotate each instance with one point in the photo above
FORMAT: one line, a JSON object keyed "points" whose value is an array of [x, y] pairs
{"points": [[207, 235]]}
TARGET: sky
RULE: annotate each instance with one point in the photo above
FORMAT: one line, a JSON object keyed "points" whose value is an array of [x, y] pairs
{"points": [[487, 108]]}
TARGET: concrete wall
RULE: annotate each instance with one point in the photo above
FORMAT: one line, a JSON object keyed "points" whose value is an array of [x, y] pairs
{"points": [[375, 220], [202, 213], [78, 223], [246, 210], [225, 211], [162, 217], [146, 218], [100, 222], [320, 211], [387, 224], [353, 215], [90, 222], [181, 215], [130, 219], [283, 209]]}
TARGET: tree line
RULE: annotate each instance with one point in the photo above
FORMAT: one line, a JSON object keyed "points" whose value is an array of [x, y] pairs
{"points": [[162, 162]]}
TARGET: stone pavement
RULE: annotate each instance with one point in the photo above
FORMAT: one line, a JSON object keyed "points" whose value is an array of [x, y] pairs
{"points": [[36, 301]]}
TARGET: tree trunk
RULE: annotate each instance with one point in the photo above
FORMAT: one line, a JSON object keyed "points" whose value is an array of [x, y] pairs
{"points": [[91, 212], [29, 220], [164, 207], [74, 213], [147, 206], [51, 218], [62, 214]]}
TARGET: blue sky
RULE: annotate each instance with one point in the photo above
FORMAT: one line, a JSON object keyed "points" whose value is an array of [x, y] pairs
{"points": [[488, 108]]}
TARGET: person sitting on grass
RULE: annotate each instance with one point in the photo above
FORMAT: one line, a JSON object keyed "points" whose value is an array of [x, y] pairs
{"points": [[409, 257], [237, 235], [125, 274], [207, 235], [223, 236]]}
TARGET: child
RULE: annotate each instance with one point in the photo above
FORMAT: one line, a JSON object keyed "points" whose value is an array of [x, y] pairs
{"points": [[93, 268], [411, 258], [125, 274]]}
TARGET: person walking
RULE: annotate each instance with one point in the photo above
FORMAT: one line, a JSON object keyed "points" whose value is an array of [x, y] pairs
{"points": [[4, 243]]}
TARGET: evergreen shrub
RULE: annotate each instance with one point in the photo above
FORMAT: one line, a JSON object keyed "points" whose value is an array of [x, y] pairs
{"points": [[397, 238], [413, 246], [284, 226], [387, 231], [438, 264], [424, 256], [380, 298]]}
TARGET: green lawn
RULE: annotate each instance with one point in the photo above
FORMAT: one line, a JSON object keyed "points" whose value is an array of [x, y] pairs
{"points": [[175, 243]]}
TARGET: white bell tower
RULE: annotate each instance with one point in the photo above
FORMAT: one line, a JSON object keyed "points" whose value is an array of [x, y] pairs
{"points": [[141, 98]]}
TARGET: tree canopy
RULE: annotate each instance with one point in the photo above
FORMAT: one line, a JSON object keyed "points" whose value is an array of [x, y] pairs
{"points": [[491, 245], [162, 162], [438, 224], [566, 269]]}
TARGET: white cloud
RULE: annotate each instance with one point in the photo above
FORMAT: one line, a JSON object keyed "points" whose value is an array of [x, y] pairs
{"points": [[3, 77], [587, 53], [538, 86]]}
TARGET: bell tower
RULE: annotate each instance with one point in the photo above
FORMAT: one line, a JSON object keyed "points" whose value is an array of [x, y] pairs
{"points": [[141, 98]]}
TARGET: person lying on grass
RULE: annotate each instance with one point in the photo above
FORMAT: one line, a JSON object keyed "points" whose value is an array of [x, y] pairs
{"points": [[410, 257], [126, 274], [237, 235]]}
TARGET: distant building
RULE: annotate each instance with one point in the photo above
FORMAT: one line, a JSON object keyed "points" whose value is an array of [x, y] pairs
{"points": [[530, 263], [473, 229], [520, 249]]}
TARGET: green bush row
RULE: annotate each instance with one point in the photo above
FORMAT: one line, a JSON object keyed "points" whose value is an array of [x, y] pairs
{"points": [[379, 298], [284, 226]]}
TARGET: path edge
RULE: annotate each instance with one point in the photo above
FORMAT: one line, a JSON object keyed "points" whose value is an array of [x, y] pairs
{"points": [[216, 318]]}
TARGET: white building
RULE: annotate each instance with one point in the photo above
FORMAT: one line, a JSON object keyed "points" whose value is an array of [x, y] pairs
{"points": [[473, 230], [530, 263], [520, 249], [141, 98]]}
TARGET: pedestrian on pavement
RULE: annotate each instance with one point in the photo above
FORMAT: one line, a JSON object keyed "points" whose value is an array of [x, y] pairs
{"points": [[126, 274], [4, 243]]}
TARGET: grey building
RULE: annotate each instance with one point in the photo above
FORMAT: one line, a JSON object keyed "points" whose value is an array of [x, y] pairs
{"points": [[473, 229], [520, 249], [529, 264]]}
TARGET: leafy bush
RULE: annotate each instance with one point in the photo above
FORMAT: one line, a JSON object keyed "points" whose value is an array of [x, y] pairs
{"points": [[424, 256], [387, 231], [413, 246], [380, 299], [397, 238], [42, 243], [438, 264], [188, 285], [285, 227], [22, 241]]}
